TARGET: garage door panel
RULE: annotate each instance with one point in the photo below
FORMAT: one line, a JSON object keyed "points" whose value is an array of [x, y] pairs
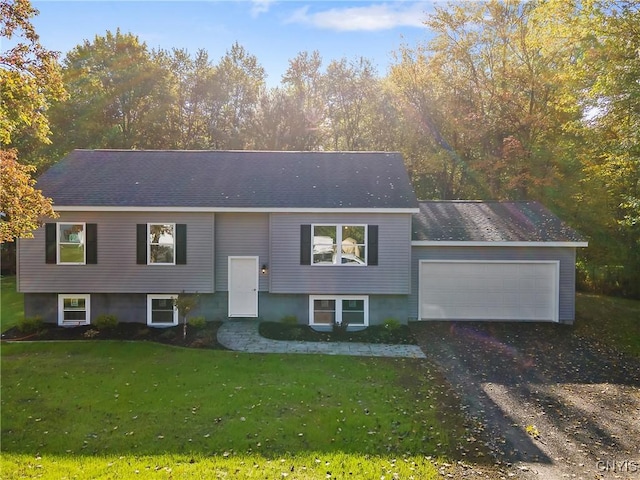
{"points": [[499, 290]]}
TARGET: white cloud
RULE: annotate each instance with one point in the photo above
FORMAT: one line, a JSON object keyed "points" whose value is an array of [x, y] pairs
{"points": [[381, 16], [259, 7]]}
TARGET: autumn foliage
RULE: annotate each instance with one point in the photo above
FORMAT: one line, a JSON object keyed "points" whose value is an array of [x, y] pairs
{"points": [[22, 206]]}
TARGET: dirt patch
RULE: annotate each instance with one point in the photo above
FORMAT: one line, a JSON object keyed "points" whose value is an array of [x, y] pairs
{"points": [[205, 337], [549, 403]]}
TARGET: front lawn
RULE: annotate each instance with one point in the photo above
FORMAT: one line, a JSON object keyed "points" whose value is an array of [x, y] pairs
{"points": [[11, 303], [113, 409]]}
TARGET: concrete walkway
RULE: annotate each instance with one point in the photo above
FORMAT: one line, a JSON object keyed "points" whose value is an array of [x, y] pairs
{"points": [[243, 336]]}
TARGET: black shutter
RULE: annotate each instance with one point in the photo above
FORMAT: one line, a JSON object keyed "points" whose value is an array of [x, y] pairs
{"points": [[141, 244], [51, 253], [181, 244], [92, 243], [305, 244], [372, 248]]}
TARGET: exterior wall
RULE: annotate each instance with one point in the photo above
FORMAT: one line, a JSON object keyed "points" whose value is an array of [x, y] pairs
{"points": [[566, 256], [241, 234], [44, 305], [390, 276], [127, 307], [132, 308], [382, 307], [117, 271]]}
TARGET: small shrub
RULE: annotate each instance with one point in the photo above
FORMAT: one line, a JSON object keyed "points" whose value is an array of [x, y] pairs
{"points": [[289, 320], [391, 324], [197, 322], [30, 324], [105, 322], [340, 329], [91, 333]]}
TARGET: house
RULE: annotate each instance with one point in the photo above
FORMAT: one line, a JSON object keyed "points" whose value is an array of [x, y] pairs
{"points": [[325, 236], [492, 261]]}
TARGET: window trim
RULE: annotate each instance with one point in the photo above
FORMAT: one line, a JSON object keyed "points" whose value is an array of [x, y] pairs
{"points": [[165, 296], [149, 262], [338, 299], [339, 228], [87, 308], [83, 243]]}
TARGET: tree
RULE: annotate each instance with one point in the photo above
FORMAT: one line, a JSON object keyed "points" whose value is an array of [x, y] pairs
{"points": [[114, 87], [22, 206], [30, 76], [601, 83], [234, 91], [29, 81], [486, 92], [349, 89], [190, 84], [304, 102], [185, 303], [431, 143]]}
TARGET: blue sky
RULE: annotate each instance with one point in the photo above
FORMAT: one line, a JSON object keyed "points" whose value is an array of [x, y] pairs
{"points": [[273, 31]]}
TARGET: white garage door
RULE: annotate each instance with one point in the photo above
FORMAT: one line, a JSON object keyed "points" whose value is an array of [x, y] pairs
{"points": [[488, 290]]}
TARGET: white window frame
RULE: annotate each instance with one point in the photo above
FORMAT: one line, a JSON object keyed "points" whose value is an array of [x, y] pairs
{"points": [[87, 308], [338, 299], [150, 299], [83, 242], [173, 226], [339, 240]]}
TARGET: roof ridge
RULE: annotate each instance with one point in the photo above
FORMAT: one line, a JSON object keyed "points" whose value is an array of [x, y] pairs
{"points": [[478, 201]]}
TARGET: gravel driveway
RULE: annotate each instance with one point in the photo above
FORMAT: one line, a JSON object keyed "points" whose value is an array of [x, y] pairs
{"points": [[549, 403]]}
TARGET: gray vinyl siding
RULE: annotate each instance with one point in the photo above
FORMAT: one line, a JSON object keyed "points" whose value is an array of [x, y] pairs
{"points": [[390, 276], [241, 234], [116, 270], [565, 255]]}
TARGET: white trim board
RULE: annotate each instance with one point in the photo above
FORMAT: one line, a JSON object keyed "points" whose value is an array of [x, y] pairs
{"points": [[451, 243], [84, 208]]}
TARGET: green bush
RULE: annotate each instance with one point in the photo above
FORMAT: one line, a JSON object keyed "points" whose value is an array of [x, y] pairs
{"points": [[105, 322], [289, 320], [391, 324], [197, 322], [30, 324], [340, 329]]}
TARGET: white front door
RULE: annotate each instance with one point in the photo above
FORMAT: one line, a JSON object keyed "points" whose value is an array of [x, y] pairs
{"points": [[243, 286]]}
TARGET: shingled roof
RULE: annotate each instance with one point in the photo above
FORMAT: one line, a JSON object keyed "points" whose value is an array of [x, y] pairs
{"points": [[229, 179], [475, 221]]}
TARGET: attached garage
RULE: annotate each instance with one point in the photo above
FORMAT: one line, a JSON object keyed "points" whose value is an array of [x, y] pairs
{"points": [[488, 290], [492, 261]]}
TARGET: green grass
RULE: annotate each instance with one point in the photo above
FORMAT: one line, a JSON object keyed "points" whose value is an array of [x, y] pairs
{"points": [[106, 409], [11, 303], [611, 321]]}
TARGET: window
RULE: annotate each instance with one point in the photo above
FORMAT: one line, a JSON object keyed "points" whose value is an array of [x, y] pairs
{"points": [[161, 244], [71, 242], [329, 309], [73, 310], [339, 244], [161, 311]]}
